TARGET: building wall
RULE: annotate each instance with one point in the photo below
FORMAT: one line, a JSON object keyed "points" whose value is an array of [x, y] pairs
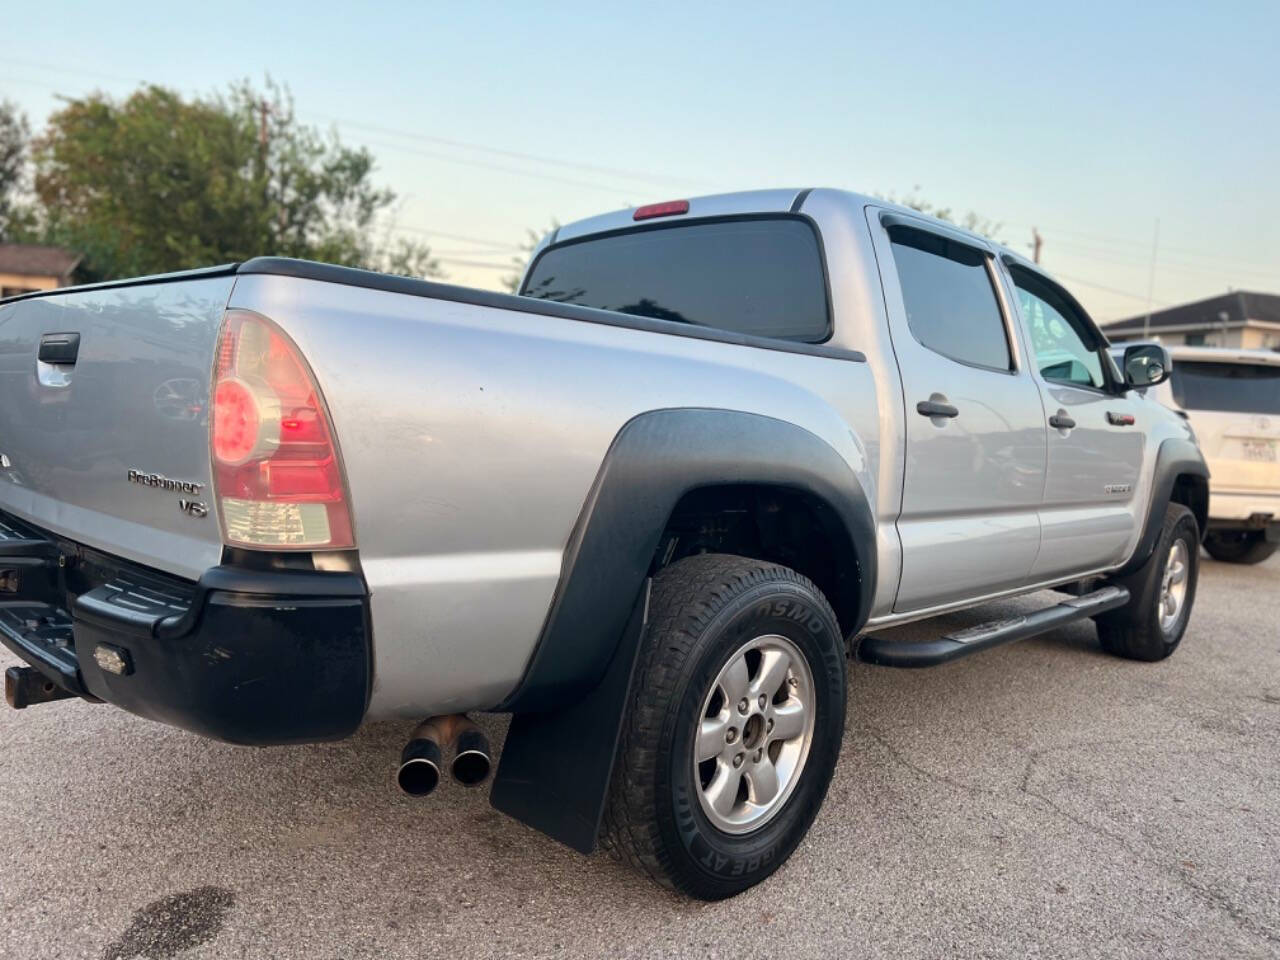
{"points": [[11, 283], [1248, 338]]}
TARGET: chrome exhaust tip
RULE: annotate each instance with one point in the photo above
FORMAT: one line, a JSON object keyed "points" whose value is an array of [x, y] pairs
{"points": [[471, 761], [420, 764]]}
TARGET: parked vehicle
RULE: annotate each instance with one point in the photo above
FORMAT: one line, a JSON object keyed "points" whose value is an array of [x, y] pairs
{"points": [[1232, 399], [647, 507]]}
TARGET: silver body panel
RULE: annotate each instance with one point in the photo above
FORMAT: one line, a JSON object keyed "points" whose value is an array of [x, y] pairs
{"points": [[471, 436], [136, 399]]}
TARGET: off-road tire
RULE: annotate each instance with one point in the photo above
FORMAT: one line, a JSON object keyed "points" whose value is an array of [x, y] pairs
{"points": [[1134, 631], [1244, 547], [701, 609]]}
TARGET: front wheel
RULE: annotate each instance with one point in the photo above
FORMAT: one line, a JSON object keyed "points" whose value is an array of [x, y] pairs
{"points": [[1162, 592], [733, 729], [1242, 546]]}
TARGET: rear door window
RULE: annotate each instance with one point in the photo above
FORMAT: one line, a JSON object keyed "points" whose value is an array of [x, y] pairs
{"points": [[951, 305], [759, 276], [1229, 387]]}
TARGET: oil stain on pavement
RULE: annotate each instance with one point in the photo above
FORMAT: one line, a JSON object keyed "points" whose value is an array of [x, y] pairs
{"points": [[168, 926]]}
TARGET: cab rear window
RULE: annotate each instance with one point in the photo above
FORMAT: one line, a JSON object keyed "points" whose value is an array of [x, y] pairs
{"points": [[760, 276], [1229, 387]]}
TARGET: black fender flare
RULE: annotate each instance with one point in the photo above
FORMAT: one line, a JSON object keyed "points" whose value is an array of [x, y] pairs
{"points": [[1175, 458], [558, 757]]}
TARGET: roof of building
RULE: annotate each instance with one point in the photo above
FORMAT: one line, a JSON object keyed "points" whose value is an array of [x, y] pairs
{"points": [[1238, 306], [36, 260]]}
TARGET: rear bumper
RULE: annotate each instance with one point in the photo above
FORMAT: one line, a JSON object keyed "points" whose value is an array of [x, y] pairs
{"points": [[1241, 505], [243, 655]]}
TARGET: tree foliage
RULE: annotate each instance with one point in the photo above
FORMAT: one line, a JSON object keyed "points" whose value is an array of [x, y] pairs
{"points": [[158, 182], [530, 243], [971, 220], [14, 135]]}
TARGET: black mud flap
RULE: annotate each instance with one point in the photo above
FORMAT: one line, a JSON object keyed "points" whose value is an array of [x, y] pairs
{"points": [[555, 767]]}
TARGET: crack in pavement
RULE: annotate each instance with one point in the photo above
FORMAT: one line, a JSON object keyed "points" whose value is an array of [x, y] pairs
{"points": [[1144, 854]]}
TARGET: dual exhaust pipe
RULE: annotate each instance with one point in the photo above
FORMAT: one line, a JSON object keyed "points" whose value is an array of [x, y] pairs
{"points": [[422, 760]]}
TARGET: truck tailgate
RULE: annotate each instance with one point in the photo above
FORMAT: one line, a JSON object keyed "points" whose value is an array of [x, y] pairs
{"points": [[112, 450]]}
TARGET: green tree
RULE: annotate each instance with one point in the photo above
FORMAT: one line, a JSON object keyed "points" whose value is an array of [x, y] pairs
{"points": [[971, 220], [14, 135], [158, 182], [531, 240]]}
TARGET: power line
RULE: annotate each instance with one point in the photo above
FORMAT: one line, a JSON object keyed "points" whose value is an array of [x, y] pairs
{"points": [[470, 162], [474, 253], [1094, 239], [498, 151], [509, 267], [52, 68], [427, 138], [496, 245], [1120, 293]]}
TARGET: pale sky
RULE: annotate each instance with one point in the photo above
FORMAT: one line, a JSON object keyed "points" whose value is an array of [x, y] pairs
{"points": [[1090, 121]]}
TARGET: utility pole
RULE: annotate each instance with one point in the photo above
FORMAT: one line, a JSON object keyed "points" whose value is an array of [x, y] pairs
{"points": [[263, 109], [1151, 281], [264, 134], [1036, 243]]}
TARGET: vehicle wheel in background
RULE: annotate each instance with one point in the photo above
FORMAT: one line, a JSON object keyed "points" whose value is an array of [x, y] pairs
{"points": [[1162, 593], [1239, 546], [733, 727]]}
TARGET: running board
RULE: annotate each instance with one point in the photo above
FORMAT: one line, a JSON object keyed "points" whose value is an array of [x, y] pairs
{"points": [[930, 653]]}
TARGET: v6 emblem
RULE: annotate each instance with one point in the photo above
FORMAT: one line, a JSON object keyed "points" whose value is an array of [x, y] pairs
{"points": [[193, 508]]}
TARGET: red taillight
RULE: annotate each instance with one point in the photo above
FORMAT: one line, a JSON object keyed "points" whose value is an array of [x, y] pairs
{"points": [[235, 421], [277, 477], [668, 209]]}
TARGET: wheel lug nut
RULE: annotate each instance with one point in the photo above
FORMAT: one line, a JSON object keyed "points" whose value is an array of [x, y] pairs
{"points": [[743, 706], [737, 761], [768, 726], [732, 735], [762, 701], [759, 754], [792, 682]]}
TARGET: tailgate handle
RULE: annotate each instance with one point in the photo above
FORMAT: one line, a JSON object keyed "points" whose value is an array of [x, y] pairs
{"points": [[59, 347]]}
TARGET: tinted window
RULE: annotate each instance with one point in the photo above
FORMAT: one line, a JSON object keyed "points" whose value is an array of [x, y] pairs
{"points": [[1233, 387], [951, 307], [1062, 355], [761, 277]]}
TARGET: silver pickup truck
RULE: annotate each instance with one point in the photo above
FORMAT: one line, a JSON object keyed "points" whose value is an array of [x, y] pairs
{"points": [[647, 507]]}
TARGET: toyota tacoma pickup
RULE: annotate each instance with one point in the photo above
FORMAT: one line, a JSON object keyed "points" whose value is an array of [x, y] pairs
{"points": [[647, 507]]}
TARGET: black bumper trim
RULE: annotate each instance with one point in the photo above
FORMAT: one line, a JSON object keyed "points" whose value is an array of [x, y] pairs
{"points": [[243, 655]]}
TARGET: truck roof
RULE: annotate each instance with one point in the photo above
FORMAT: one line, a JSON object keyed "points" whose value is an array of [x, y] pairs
{"points": [[780, 200]]}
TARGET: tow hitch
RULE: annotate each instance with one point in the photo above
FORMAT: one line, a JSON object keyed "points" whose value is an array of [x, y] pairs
{"points": [[24, 686]]}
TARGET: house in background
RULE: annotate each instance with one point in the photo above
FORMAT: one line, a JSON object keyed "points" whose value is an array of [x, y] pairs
{"points": [[1249, 321], [27, 266]]}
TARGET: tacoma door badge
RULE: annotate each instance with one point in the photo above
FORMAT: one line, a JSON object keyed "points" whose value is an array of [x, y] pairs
{"points": [[158, 481]]}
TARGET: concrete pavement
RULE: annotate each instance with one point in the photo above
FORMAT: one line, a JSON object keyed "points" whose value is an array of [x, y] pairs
{"points": [[1042, 799]]}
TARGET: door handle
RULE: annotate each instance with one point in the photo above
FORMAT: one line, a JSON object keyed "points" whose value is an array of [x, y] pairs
{"points": [[59, 348], [1060, 421], [932, 408]]}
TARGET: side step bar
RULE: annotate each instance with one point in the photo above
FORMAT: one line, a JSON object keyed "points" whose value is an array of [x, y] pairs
{"points": [[930, 653]]}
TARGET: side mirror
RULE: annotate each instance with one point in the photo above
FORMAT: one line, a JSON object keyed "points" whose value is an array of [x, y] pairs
{"points": [[1146, 364]]}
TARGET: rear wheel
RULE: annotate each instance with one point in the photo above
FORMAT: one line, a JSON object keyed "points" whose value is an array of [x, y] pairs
{"points": [[734, 726], [1162, 592], [1239, 546]]}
